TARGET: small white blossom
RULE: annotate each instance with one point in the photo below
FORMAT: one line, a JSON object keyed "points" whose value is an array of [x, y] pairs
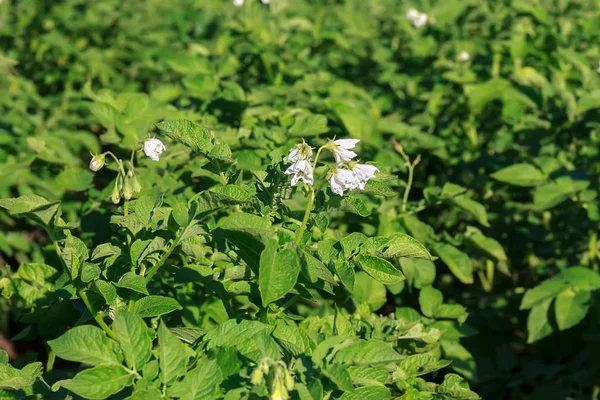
{"points": [[363, 173], [412, 14], [301, 151], [265, 1], [238, 3], [342, 180], [463, 56], [97, 162], [153, 148], [342, 150], [599, 67], [301, 171], [418, 19]]}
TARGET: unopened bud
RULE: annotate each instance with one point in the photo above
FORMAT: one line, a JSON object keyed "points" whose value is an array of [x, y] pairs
{"points": [[127, 189], [136, 186], [288, 380], [115, 196], [97, 162]]}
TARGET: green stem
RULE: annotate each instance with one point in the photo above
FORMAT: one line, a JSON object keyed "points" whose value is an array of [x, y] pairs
{"points": [[119, 163], [309, 206], [411, 173], [311, 200], [164, 258], [97, 317]]}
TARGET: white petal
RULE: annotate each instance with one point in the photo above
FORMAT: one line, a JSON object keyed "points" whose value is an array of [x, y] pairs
{"points": [[346, 143], [293, 157], [335, 186]]}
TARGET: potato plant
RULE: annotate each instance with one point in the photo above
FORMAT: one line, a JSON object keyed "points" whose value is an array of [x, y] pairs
{"points": [[312, 200]]}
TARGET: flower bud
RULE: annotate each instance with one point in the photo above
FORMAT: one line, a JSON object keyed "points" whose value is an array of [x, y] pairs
{"points": [[127, 189], [257, 378], [115, 196], [97, 162], [137, 188], [289, 380]]}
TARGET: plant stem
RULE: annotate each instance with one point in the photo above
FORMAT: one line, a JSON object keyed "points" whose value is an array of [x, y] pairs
{"points": [[164, 258], [311, 200], [119, 163], [309, 206], [97, 317], [411, 171]]}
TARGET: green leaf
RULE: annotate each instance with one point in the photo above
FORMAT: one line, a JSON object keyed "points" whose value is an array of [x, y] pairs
{"points": [[151, 393], [488, 245], [143, 209], [548, 289], [97, 383], [520, 175], [538, 325], [134, 338], [571, 308], [200, 383], [380, 269], [368, 393], [477, 210], [132, 281], [458, 262], [345, 271], [356, 205], [86, 344], [107, 290], [278, 272], [75, 179], [368, 290], [251, 338], [192, 135], [15, 379], [351, 243], [455, 387], [307, 124], [339, 375], [188, 334], [313, 269], [402, 245], [588, 101], [368, 352], [32, 206], [430, 300], [172, 355], [154, 306]]}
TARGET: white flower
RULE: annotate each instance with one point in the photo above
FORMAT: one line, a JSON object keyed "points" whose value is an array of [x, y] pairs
{"points": [[463, 56], [363, 173], [412, 14], [97, 161], [238, 3], [302, 171], [418, 19], [153, 148], [301, 151], [342, 180], [265, 1], [342, 150], [599, 67]]}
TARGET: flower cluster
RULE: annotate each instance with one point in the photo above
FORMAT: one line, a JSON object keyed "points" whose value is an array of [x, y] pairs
{"points": [[126, 183], [347, 174], [417, 18]]}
